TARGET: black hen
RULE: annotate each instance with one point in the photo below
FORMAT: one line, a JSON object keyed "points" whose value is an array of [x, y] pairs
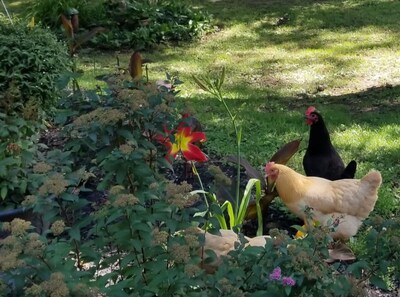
{"points": [[321, 158]]}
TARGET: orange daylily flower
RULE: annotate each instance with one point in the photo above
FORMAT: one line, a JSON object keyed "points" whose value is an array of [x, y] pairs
{"points": [[183, 143]]}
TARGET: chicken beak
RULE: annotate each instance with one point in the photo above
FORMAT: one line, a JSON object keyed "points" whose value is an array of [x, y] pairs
{"points": [[270, 184], [273, 187]]}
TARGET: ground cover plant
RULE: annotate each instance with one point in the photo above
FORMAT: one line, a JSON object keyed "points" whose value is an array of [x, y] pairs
{"points": [[128, 23], [113, 242]]}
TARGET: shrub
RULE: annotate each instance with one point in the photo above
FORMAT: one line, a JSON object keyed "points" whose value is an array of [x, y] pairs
{"points": [[48, 12], [129, 23], [137, 24], [17, 150], [378, 253], [31, 61], [138, 224]]}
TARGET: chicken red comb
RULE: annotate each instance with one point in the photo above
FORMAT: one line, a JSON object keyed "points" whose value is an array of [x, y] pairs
{"points": [[268, 167], [310, 110]]}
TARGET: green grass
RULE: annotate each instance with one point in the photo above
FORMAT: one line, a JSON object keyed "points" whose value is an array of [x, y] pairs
{"points": [[341, 56]]}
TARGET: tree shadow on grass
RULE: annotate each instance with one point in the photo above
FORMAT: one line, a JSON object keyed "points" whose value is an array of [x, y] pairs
{"points": [[268, 122], [308, 14], [306, 19]]}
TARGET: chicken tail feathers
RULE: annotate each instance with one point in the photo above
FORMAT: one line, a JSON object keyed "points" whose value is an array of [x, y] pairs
{"points": [[373, 178], [369, 190], [350, 170]]}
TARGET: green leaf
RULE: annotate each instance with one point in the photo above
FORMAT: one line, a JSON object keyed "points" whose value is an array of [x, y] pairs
{"points": [[384, 265], [127, 135], [200, 83], [246, 198], [75, 233], [357, 268], [121, 176], [199, 192], [113, 217], [231, 214], [378, 282], [288, 290], [3, 192], [22, 186], [69, 197], [239, 136], [93, 136], [63, 81], [200, 214], [259, 213]]}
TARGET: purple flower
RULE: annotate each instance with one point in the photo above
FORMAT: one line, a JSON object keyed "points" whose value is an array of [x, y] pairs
{"points": [[288, 281], [276, 274]]}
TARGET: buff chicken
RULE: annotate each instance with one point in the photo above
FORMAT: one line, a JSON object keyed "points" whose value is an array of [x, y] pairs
{"points": [[346, 201]]}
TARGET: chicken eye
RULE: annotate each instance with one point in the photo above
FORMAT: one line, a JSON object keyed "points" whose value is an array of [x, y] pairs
{"points": [[274, 172]]}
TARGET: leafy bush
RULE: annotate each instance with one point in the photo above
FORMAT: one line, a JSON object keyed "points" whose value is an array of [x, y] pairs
{"points": [[129, 23], [31, 61], [47, 12], [137, 24], [379, 255], [17, 150], [135, 228]]}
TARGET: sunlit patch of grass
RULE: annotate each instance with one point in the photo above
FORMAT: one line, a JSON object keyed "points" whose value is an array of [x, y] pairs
{"points": [[275, 72], [93, 65], [377, 143], [379, 148]]}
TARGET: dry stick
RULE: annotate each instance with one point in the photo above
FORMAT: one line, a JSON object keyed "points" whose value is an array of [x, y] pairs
{"points": [[131, 181], [78, 258], [117, 247], [45, 262], [142, 250]]}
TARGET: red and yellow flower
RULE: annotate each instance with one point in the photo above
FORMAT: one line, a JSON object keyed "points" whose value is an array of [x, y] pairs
{"points": [[182, 143]]}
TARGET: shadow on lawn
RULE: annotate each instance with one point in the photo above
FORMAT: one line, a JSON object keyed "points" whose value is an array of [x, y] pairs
{"points": [[380, 99], [319, 14], [374, 109]]}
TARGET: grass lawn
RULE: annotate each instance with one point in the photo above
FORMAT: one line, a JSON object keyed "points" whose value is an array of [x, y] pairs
{"points": [[341, 56]]}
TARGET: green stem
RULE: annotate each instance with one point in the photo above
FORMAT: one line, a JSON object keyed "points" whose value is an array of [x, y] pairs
{"points": [[214, 88], [194, 169], [235, 125]]}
